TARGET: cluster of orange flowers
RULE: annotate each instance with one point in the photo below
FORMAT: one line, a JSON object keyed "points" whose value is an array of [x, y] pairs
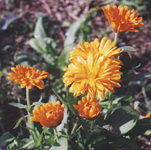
{"points": [[94, 69]]}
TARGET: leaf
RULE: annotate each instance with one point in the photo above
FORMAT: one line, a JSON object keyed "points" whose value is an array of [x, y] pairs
{"points": [[18, 105], [63, 144], [134, 77], [143, 124], [22, 56], [127, 63], [1, 73], [63, 122], [74, 28], [84, 124], [60, 98], [71, 101], [5, 138], [19, 121], [130, 48], [39, 29], [117, 100], [45, 45], [8, 20], [123, 119]]}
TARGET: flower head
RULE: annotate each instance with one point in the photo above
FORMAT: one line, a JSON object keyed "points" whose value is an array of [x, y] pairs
{"points": [[49, 114], [88, 108], [28, 76], [93, 69], [122, 19]]}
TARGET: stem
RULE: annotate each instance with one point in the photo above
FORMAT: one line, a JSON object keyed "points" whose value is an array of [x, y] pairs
{"points": [[116, 37], [26, 145], [74, 128], [144, 94], [92, 125], [55, 133], [110, 100], [29, 107]]}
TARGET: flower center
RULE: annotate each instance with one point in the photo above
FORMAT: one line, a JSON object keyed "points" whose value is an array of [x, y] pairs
{"points": [[49, 114]]}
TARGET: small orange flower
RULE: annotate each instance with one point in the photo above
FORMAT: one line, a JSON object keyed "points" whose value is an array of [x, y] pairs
{"points": [[88, 108], [142, 117], [49, 114], [122, 19], [93, 69], [28, 76]]}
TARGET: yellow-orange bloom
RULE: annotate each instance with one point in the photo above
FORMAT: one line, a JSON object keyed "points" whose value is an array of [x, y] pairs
{"points": [[93, 69], [103, 48], [146, 116], [49, 114], [28, 76], [122, 19], [88, 108]]}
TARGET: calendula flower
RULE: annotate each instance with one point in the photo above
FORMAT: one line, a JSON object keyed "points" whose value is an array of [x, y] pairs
{"points": [[146, 116], [28, 76], [103, 48], [122, 19], [88, 108], [49, 114], [93, 70]]}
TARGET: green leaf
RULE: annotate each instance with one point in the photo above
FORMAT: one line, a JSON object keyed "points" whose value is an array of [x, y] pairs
{"points": [[5, 138], [74, 28], [123, 119], [1, 73], [39, 29], [127, 63], [71, 101], [19, 121], [134, 77], [85, 124], [123, 98], [18, 105], [63, 144], [130, 48], [8, 20], [143, 124], [45, 45], [60, 98], [117, 100]]}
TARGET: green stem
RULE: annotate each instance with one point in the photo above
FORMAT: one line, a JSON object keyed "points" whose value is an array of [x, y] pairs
{"points": [[144, 94], [110, 100], [92, 125], [116, 37], [26, 145], [55, 133], [74, 128], [29, 107]]}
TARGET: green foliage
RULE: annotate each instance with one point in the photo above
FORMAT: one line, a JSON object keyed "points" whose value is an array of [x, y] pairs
{"points": [[140, 6]]}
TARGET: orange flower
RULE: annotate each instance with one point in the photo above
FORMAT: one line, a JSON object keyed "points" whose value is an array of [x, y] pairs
{"points": [[93, 69], [88, 108], [49, 114], [122, 19], [142, 117], [103, 48], [28, 76]]}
